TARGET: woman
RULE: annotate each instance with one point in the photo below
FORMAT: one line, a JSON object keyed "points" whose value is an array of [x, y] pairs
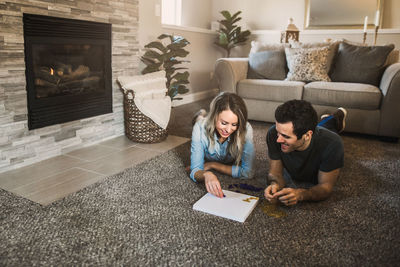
{"points": [[222, 141]]}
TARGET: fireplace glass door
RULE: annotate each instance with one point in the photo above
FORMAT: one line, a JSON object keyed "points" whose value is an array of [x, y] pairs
{"points": [[68, 69]]}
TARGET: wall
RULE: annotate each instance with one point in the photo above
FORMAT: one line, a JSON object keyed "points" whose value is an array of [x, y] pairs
{"points": [[203, 53], [391, 15], [20, 146], [273, 15], [195, 14], [149, 22], [263, 14]]}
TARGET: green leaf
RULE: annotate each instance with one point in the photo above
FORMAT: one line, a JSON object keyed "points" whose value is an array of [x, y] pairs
{"points": [[156, 45], [223, 39], [164, 35], [180, 53], [180, 40], [181, 76], [226, 25], [169, 64], [169, 72], [226, 14], [179, 88], [172, 92], [180, 82], [148, 61], [151, 68], [182, 89], [152, 54], [235, 20], [176, 48], [181, 68], [234, 16]]}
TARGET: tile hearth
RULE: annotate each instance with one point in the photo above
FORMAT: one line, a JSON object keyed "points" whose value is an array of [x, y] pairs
{"points": [[52, 179]]}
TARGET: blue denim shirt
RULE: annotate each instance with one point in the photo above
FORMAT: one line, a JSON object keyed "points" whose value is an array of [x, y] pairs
{"points": [[201, 152]]}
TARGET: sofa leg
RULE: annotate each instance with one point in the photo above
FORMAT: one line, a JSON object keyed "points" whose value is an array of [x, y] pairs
{"points": [[389, 139]]}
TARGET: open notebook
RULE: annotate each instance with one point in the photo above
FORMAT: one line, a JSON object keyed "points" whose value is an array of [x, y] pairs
{"points": [[234, 206]]}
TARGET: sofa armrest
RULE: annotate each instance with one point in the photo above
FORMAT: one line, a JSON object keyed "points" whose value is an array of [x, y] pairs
{"points": [[390, 106], [229, 71]]}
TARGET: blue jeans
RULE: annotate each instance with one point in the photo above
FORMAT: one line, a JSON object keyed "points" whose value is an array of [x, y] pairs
{"points": [[329, 123]]}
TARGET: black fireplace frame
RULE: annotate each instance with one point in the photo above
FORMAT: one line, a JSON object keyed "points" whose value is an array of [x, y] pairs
{"points": [[47, 111]]}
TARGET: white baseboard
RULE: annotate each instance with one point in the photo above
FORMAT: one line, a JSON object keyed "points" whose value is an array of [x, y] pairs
{"points": [[189, 98]]}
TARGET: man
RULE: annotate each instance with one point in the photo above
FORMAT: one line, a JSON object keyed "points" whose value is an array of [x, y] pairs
{"points": [[300, 150]]}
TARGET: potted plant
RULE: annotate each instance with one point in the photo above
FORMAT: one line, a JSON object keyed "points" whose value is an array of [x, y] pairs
{"points": [[229, 34], [167, 57]]}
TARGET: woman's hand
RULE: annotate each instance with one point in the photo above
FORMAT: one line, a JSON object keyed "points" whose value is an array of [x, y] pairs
{"points": [[213, 185]]}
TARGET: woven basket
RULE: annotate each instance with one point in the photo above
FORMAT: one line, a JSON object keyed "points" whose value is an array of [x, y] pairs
{"points": [[138, 127]]}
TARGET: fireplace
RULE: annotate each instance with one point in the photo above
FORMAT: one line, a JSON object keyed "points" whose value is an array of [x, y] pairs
{"points": [[68, 69]]}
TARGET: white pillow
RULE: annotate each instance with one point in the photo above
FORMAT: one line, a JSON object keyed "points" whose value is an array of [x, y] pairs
{"points": [[257, 46]]}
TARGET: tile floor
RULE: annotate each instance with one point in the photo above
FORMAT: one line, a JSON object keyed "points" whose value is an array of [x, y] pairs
{"points": [[52, 179]]}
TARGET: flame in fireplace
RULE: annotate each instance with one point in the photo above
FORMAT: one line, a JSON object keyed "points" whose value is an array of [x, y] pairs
{"points": [[51, 71]]}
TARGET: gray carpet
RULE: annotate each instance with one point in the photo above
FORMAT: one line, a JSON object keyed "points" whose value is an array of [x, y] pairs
{"points": [[143, 216]]}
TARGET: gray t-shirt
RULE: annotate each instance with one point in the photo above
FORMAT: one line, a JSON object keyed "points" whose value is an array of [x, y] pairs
{"points": [[325, 153]]}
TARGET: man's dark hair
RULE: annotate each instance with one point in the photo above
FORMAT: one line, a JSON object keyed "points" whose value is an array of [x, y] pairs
{"points": [[300, 113]]}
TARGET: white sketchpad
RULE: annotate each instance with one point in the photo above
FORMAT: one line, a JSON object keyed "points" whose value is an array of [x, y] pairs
{"points": [[234, 206]]}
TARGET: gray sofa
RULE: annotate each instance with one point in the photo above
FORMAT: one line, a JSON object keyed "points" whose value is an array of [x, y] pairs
{"points": [[371, 109]]}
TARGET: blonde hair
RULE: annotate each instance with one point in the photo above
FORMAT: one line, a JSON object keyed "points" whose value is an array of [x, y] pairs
{"points": [[234, 103]]}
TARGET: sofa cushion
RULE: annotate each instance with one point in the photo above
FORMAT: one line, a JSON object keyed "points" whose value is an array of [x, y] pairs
{"points": [[360, 64], [307, 64], [333, 48], [338, 94], [270, 90], [267, 65]]}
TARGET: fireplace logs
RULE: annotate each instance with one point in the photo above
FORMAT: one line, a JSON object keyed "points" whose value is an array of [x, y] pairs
{"points": [[62, 79]]}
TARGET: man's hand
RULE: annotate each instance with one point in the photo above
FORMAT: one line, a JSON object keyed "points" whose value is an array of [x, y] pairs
{"points": [[289, 196], [270, 191], [212, 184]]}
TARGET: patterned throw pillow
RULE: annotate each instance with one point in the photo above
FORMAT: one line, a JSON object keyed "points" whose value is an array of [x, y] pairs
{"points": [[307, 64], [333, 48]]}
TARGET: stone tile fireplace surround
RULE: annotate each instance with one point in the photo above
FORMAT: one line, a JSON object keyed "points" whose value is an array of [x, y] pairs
{"points": [[20, 146]]}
